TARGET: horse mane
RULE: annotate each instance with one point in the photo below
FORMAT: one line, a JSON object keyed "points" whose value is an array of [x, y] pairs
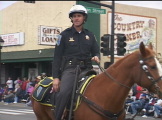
{"points": [[147, 52], [120, 61]]}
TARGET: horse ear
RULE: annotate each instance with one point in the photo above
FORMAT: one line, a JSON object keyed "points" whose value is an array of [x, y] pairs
{"points": [[150, 46], [142, 49]]}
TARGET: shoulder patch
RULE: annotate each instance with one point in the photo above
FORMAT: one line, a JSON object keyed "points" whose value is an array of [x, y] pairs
{"points": [[67, 29], [58, 40]]}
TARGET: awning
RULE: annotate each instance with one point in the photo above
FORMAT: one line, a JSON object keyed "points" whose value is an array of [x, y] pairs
{"points": [[27, 56]]}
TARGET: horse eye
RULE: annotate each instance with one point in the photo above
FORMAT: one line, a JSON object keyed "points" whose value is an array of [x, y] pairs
{"points": [[153, 67]]}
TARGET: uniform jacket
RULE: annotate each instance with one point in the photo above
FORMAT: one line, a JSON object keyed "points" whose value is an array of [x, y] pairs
{"points": [[74, 45]]}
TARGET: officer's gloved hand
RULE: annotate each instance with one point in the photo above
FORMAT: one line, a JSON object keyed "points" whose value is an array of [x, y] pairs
{"points": [[56, 84], [96, 59]]}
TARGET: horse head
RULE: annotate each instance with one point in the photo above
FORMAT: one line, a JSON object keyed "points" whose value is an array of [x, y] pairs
{"points": [[151, 70]]}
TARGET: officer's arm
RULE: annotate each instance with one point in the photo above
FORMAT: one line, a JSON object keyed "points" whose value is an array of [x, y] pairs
{"points": [[59, 49], [57, 59]]}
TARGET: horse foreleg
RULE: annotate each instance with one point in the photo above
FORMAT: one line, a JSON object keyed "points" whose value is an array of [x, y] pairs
{"points": [[50, 113], [42, 112]]}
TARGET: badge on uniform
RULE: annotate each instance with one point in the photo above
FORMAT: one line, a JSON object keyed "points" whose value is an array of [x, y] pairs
{"points": [[87, 37], [71, 39], [58, 40]]}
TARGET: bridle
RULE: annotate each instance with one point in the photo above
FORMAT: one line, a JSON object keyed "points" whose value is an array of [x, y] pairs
{"points": [[145, 67]]}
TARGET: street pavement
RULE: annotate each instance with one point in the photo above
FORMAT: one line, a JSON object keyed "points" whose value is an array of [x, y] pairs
{"points": [[18, 111], [29, 110]]}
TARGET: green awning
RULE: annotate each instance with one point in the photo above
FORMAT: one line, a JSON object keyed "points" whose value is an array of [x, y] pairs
{"points": [[27, 56]]}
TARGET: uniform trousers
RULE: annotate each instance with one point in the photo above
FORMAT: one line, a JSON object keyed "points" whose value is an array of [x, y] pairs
{"points": [[64, 94]]}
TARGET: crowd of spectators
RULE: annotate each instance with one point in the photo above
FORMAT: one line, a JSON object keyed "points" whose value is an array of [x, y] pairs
{"points": [[19, 90], [138, 102], [141, 102]]}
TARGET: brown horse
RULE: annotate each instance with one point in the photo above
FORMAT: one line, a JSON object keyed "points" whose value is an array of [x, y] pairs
{"points": [[104, 98]]}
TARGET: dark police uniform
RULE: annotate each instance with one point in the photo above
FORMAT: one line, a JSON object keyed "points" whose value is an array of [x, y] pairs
{"points": [[72, 49]]}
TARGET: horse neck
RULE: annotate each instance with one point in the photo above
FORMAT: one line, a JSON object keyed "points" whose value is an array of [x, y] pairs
{"points": [[106, 89], [122, 73], [123, 70]]}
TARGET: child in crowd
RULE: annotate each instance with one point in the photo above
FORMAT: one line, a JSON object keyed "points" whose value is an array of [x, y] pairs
{"points": [[29, 91], [9, 83], [9, 98], [17, 92], [1, 93]]}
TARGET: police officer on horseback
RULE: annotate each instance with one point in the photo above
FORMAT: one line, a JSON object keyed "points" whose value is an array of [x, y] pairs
{"points": [[75, 46]]}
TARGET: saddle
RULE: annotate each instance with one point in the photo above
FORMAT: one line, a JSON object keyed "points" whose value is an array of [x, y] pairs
{"points": [[81, 88], [43, 93]]}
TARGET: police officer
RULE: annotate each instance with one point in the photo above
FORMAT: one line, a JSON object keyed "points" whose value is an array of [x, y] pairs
{"points": [[75, 46]]}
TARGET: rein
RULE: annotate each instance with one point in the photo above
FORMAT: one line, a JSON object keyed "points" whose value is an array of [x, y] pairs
{"points": [[108, 75], [100, 110], [144, 67]]}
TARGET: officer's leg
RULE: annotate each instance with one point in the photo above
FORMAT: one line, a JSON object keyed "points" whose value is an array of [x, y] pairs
{"points": [[64, 94]]}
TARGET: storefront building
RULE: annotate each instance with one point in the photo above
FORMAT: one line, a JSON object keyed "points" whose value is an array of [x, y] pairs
{"points": [[30, 32]]}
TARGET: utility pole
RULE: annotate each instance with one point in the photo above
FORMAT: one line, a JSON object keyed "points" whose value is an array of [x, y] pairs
{"points": [[112, 6], [112, 32], [1, 45], [30, 1]]}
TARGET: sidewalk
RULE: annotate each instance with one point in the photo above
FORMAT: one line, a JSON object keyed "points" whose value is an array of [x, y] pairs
{"points": [[22, 104]]}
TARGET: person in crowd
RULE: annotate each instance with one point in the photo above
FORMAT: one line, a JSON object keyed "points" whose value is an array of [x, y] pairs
{"points": [[134, 91], [38, 79], [29, 91], [148, 108], [43, 75], [139, 92], [10, 83], [30, 88], [129, 98], [158, 109], [17, 93], [1, 93], [23, 87], [4, 93], [17, 82], [75, 46], [9, 98], [28, 84], [139, 104]]}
